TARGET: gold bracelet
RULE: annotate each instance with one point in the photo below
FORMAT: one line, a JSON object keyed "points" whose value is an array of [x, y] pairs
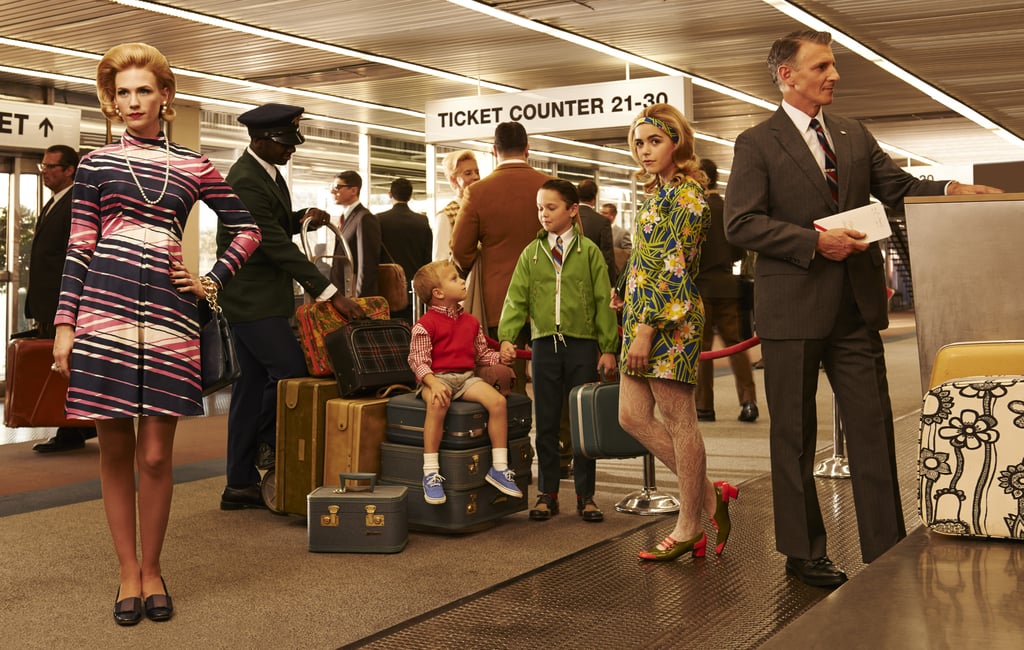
{"points": [[209, 286]]}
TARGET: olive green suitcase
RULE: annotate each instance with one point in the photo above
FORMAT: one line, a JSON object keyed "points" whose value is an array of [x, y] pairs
{"points": [[301, 419]]}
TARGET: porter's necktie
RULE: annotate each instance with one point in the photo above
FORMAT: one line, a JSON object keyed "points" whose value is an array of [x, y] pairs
{"points": [[830, 160]]}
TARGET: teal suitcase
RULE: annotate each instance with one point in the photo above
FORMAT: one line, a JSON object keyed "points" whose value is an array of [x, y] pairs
{"points": [[594, 423]]}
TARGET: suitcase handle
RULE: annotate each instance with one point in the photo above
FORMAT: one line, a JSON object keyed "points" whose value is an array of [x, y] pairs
{"points": [[357, 476], [346, 255]]}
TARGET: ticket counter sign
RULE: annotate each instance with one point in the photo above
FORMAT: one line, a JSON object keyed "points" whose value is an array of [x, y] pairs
{"points": [[555, 110], [29, 126]]}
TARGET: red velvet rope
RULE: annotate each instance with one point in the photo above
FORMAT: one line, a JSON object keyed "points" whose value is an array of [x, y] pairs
{"points": [[732, 349], [711, 354]]}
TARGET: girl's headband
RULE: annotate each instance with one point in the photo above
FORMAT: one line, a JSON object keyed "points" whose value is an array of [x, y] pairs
{"points": [[655, 122]]}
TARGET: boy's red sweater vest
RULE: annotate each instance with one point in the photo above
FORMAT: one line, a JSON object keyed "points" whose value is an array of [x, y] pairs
{"points": [[451, 341]]}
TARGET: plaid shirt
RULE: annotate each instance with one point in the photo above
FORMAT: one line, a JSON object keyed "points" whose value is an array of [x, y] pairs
{"points": [[421, 348]]}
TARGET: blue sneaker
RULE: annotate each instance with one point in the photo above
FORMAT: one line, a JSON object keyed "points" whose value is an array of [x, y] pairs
{"points": [[504, 481], [433, 493]]}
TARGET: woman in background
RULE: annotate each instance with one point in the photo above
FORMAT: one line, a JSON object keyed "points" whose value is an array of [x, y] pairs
{"points": [[127, 322], [461, 169], [662, 325]]}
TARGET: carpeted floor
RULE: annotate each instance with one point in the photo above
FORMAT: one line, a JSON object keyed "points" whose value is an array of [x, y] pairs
{"points": [[245, 579]]}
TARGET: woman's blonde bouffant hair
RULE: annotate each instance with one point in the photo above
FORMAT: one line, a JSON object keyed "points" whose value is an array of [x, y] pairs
{"points": [[127, 56], [451, 163], [687, 163]]}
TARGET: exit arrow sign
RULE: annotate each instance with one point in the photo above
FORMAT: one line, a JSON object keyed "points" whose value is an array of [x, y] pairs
{"points": [[28, 126]]}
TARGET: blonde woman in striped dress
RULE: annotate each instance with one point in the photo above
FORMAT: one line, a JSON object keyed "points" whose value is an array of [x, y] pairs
{"points": [[127, 322]]}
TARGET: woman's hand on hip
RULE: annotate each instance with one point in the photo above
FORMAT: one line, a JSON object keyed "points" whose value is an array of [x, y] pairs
{"points": [[184, 281]]}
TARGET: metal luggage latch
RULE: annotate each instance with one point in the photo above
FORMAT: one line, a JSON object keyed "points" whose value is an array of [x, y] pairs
{"points": [[373, 520], [330, 520]]}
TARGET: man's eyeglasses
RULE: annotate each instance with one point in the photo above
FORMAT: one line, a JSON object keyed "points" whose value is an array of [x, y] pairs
{"points": [[44, 166], [335, 188]]}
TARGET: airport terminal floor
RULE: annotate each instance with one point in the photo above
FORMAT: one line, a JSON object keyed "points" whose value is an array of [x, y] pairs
{"points": [[245, 579]]}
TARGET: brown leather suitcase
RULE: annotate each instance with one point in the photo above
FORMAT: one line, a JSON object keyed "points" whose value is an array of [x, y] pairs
{"points": [[301, 409], [353, 433], [35, 394]]}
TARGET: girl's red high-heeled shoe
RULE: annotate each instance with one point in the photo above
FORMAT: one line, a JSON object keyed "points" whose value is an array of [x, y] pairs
{"points": [[675, 549], [724, 492]]}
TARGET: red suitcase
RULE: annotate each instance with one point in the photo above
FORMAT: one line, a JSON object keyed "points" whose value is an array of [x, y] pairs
{"points": [[35, 393]]}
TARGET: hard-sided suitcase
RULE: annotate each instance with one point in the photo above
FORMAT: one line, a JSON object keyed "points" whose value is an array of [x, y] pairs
{"points": [[464, 511], [971, 457], [301, 411], [977, 359], [462, 469], [594, 422], [35, 394], [353, 434], [315, 320], [465, 425], [342, 519], [369, 354]]}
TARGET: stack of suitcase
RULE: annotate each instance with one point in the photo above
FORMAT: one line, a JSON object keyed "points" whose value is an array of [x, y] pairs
{"points": [[465, 457], [319, 436]]}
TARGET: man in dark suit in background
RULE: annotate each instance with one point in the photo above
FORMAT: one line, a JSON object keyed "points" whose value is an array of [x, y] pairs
{"points": [[361, 231], [596, 227], [720, 292], [259, 300], [46, 267], [406, 236], [820, 298]]}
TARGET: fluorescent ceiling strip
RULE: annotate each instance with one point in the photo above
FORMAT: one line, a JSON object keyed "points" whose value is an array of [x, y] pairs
{"points": [[903, 75], [614, 52], [212, 101], [251, 85], [306, 42]]}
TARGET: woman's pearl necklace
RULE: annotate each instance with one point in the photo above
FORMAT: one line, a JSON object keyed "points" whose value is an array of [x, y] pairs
{"points": [[167, 172]]}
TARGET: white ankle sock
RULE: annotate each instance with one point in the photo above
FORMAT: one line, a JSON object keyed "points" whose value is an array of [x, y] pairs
{"points": [[431, 464], [499, 458]]}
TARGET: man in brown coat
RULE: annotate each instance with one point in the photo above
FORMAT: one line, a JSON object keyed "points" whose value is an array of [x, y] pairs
{"points": [[499, 212]]}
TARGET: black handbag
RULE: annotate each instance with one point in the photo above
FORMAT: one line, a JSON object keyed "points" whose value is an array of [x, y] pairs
{"points": [[216, 348]]}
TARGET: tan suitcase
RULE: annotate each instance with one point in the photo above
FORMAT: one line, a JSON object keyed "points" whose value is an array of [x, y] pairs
{"points": [[977, 359], [301, 406], [353, 433]]}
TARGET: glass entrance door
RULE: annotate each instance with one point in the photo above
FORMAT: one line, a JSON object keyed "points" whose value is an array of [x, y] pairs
{"points": [[21, 192]]}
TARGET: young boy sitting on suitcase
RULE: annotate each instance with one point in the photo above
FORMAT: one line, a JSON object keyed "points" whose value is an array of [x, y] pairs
{"points": [[447, 344], [560, 284]]}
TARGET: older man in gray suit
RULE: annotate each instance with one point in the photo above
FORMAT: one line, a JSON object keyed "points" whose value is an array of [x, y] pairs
{"points": [[820, 298]]}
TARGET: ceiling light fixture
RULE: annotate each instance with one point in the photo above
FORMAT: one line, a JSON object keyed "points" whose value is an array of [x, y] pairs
{"points": [[306, 42]]}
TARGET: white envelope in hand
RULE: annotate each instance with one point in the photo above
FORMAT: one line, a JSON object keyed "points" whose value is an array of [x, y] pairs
{"points": [[869, 219]]}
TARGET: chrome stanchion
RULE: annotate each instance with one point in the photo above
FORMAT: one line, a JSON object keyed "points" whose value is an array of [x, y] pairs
{"points": [[837, 466], [648, 501]]}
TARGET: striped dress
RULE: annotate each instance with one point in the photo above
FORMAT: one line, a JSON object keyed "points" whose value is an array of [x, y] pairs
{"points": [[136, 347]]}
